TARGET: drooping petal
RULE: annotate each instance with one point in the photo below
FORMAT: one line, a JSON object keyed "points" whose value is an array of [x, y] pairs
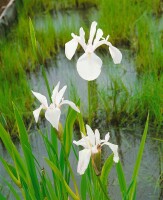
{"points": [[42, 99], [92, 32], [99, 34], [114, 148], [70, 48], [59, 95], [53, 115], [84, 142], [55, 92], [97, 136], [36, 113], [70, 103], [115, 54], [89, 66], [84, 158], [91, 135]]}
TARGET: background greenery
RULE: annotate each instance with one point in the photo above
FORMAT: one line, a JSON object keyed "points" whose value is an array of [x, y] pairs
{"points": [[134, 25]]}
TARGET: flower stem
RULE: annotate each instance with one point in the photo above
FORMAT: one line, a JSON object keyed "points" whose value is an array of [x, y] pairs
{"points": [[92, 101]]}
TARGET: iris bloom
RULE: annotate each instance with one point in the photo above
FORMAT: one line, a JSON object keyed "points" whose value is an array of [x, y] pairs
{"points": [[92, 144], [89, 64], [53, 112]]}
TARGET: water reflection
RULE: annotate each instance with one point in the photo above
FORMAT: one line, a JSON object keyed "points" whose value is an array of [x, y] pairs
{"points": [[128, 141]]}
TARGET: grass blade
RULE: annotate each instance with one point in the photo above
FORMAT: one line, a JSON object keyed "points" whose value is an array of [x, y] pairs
{"points": [[138, 161], [121, 179], [61, 178], [26, 147]]}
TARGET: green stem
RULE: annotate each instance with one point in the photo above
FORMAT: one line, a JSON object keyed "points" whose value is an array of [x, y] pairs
{"points": [[71, 171], [89, 103]]}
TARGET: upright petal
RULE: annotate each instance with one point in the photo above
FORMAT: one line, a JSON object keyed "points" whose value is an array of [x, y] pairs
{"points": [[70, 103], [70, 48], [92, 32], [36, 113], [82, 38], [42, 99], [91, 135], [107, 136], [89, 66], [97, 136], [55, 92], [99, 34], [60, 94], [114, 148], [53, 115], [84, 158], [115, 54]]}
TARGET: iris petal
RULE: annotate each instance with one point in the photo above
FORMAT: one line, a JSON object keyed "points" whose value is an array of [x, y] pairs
{"points": [[84, 158], [60, 94], [89, 66], [42, 99], [70, 103], [115, 54], [55, 92], [53, 116], [91, 135], [97, 136], [70, 48], [36, 113], [114, 148], [92, 32], [84, 142]]}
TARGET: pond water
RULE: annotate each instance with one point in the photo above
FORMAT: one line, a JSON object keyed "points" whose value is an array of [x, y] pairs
{"points": [[128, 140], [63, 70]]}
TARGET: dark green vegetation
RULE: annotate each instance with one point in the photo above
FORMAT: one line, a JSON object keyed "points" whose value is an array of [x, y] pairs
{"points": [[134, 25]]}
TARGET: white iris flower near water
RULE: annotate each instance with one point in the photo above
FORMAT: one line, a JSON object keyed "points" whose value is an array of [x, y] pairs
{"points": [[53, 112], [89, 64], [92, 143]]}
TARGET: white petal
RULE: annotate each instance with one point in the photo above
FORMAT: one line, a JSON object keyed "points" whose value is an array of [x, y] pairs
{"points": [[55, 92], [70, 48], [82, 142], [97, 136], [92, 32], [115, 54], [70, 103], [53, 116], [114, 148], [107, 136], [84, 158], [94, 150], [99, 34], [91, 135], [89, 66], [36, 113], [42, 99], [60, 94], [82, 38]]}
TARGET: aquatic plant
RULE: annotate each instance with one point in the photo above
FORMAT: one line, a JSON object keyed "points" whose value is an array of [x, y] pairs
{"points": [[33, 180], [53, 112], [89, 64], [92, 145]]}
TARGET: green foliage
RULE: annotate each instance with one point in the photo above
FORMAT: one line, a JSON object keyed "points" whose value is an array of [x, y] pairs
{"points": [[121, 179]]}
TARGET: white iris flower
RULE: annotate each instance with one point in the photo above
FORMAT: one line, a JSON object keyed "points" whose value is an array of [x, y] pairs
{"points": [[92, 143], [53, 112], [89, 64]]}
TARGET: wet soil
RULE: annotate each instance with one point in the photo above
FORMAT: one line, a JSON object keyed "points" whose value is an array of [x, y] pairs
{"points": [[3, 3]]}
